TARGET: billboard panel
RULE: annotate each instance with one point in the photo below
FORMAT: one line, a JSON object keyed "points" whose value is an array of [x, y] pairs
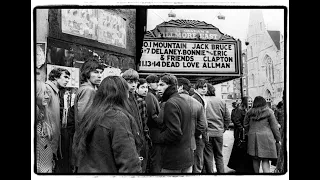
{"points": [[175, 56]]}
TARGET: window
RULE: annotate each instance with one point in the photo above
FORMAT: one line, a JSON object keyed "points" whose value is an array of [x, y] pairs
{"points": [[224, 89], [269, 69], [253, 79]]}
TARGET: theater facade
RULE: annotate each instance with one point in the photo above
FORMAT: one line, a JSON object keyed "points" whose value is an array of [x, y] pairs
{"points": [[191, 49]]}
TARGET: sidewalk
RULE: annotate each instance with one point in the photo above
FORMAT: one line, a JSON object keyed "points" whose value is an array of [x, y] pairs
{"points": [[226, 151]]}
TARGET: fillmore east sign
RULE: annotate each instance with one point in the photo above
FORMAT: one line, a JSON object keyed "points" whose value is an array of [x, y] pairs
{"points": [[188, 46], [188, 33]]}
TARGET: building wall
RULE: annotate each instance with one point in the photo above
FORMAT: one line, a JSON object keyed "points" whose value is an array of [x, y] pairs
{"points": [[41, 36], [71, 51], [261, 52], [122, 58], [245, 90], [218, 90]]}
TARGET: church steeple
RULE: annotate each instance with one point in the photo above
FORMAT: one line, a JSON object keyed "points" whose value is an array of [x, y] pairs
{"points": [[255, 34], [256, 23]]}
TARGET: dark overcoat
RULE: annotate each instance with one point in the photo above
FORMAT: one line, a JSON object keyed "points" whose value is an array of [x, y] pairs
{"points": [[176, 135]]}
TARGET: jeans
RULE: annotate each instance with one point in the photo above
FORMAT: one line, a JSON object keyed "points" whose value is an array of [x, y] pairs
{"points": [[213, 149], [198, 156], [185, 170]]}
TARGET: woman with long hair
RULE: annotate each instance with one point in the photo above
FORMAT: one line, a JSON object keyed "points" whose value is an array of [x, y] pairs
{"points": [[44, 128], [108, 138], [263, 134]]}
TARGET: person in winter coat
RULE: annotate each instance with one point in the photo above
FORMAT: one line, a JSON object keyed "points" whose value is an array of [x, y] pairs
{"points": [[153, 110], [199, 93], [152, 81], [132, 78], [263, 134], [199, 121], [106, 140], [281, 166], [57, 80], [278, 112], [235, 107], [157, 147], [90, 78], [44, 131], [237, 117], [239, 159], [177, 154], [218, 118], [141, 93]]}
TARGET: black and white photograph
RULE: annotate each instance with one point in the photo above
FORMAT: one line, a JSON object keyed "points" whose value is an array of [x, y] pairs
{"points": [[160, 90]]}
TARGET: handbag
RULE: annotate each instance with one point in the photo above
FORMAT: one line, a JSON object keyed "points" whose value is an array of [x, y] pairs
{"points": [[242, 143]]}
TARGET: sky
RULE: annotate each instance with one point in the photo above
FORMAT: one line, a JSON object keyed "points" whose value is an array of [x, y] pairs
{"points": [[235, 24]]}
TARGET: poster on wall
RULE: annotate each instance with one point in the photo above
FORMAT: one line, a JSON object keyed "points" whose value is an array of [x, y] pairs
{"points": [[171, 56], [60, 56], [79, 22], [95, 24], [74, 75], [111, 29], [41, 54]]}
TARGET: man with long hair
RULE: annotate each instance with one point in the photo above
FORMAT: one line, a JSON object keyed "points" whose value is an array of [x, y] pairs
{"points": [[90, 78]]}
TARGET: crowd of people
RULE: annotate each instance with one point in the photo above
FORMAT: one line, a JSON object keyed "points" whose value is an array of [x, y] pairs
{"points": [[157, 124], [258, 136]]}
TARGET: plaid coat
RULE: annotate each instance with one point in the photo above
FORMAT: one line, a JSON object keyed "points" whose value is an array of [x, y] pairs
{"points": [[142, 105]]}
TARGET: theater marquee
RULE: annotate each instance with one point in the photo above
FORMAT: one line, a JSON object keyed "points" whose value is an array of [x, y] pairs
{"points": [[189, 50]]}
